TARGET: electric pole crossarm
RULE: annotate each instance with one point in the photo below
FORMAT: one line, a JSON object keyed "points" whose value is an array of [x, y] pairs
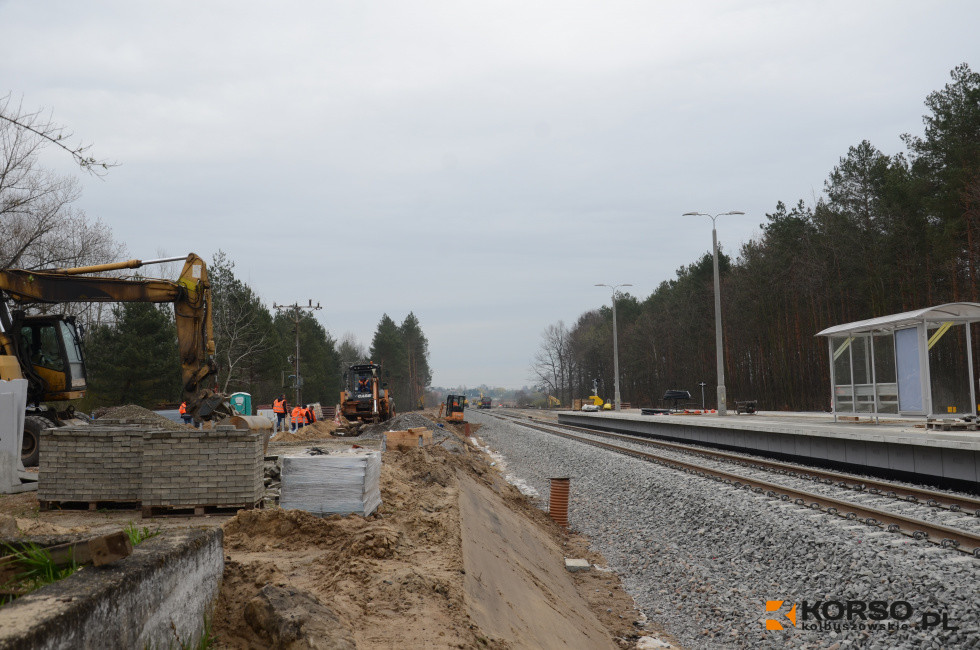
{"points": [[297, 314]]}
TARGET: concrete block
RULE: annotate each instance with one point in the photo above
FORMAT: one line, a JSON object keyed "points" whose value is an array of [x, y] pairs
{"points": [[575, 565], [928, 460], [960, 464], [877, 454], [856, 452], [836, 450]]}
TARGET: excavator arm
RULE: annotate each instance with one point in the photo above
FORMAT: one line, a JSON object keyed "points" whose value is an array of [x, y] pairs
{"points": [[190, 295]]}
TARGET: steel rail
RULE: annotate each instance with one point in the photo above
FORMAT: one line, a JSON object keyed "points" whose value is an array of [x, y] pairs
{"points": [[944, 536], [877, 487]]}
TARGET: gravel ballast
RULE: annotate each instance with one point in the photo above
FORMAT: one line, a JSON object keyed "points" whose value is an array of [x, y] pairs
{"points": [[702, 558]]}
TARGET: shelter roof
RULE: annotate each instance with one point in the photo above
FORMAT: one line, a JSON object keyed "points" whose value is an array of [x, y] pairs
{"points": [[957, 312]]}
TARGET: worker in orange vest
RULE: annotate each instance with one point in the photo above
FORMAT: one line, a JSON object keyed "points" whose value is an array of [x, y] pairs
{"points": [[310, 417], [183, 413], [297, 416], [279, 408]]}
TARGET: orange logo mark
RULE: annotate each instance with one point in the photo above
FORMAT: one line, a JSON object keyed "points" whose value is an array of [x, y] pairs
{"points": [[773, 606]]}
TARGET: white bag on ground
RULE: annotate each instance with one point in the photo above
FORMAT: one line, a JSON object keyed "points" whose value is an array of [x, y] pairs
{"points": [[335, 483], [13, 401]]}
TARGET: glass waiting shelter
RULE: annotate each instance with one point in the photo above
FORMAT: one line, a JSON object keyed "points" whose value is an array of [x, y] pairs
{"points": [[914, 363]]}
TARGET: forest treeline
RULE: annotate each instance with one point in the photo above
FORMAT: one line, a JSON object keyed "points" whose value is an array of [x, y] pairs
{"points": [[890, 233]]}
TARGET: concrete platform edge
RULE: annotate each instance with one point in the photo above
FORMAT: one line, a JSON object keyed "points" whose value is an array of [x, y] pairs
{"points": [[169, 579]]}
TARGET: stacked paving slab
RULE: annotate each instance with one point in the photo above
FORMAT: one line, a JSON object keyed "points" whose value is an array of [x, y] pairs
{"points": [[135, 461]]}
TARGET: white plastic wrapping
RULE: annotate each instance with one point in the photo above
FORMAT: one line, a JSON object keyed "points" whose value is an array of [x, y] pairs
{"points": [[335, 483]]}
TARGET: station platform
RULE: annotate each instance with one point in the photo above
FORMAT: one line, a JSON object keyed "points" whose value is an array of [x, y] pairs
{"points": [[895, 448]]}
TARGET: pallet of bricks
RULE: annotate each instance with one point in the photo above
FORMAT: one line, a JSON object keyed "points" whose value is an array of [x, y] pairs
{"points": [[408, 439], [141, 464], [950, 424]]}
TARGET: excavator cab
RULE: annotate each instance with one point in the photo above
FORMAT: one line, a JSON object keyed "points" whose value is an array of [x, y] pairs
{"points": [[51, 346], [48, 354]]}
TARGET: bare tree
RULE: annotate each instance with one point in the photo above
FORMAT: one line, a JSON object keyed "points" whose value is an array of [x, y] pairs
{"points": [[241, 323], [350, 352], [551, 365], [35, 125], [39, 226]]}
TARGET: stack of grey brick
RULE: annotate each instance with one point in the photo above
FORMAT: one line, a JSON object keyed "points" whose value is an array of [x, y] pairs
{"points": [[223, 466], [91, 463], [134, 461]]}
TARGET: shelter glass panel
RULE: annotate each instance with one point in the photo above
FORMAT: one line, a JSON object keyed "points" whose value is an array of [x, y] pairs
{"points": [[949, 374], [843, 388], [907, 370], [886, 387], [864, 393]]}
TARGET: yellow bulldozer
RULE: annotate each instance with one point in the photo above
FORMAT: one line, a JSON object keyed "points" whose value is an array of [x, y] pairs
{"points": [[46, 350]]}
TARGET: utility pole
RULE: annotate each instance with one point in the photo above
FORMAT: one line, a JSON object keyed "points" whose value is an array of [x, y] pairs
{"points": [[297, 310]]}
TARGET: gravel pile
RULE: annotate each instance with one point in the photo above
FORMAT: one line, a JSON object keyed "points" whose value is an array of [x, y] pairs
{"points": [[702, 558], [397, 423], [411, 420]]}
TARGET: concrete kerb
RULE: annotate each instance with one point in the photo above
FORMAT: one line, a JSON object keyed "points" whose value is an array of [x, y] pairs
{"points": [[169, 583]]}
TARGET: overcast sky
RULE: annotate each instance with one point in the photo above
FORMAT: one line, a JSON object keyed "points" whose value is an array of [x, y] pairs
{"points": [[482, 164]]}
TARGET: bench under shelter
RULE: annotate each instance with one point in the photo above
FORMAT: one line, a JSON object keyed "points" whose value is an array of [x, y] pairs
{"points": [[916, 363]]}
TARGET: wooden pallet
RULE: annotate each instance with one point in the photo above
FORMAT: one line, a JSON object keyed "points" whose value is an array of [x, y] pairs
{"points": [[89, 505], [948, 424], [196, 511]]}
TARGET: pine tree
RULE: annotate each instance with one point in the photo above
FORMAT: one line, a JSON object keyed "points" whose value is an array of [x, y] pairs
{"points": [[134, 360]]}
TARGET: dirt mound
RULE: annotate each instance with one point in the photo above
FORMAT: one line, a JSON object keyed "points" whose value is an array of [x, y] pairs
{"points": [[135, 412], [261, 530], [316, 431]]}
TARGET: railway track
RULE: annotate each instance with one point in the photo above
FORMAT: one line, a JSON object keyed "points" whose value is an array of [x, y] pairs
{"points": [[946, 536]]}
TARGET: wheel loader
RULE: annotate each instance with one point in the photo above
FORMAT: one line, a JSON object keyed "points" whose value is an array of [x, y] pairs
{"points": [[47, 352], [366, 397]]}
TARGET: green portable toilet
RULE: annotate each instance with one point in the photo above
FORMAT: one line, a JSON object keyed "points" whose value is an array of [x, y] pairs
{"points": [[242, 402]]}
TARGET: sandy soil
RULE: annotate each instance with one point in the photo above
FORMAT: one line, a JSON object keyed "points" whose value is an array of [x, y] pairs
{"points": [[454, 558]]}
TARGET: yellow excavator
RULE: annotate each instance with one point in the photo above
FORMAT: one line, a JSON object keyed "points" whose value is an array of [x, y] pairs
{"points": [[46, 350], [455, 404]]}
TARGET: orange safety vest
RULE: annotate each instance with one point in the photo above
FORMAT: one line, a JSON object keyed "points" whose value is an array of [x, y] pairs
{"points": [[279, 406], [183, 408], [296, 414], [308, 414]]}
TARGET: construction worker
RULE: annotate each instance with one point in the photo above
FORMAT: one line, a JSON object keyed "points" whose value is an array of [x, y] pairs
{"points": [[183, 413], [362, 385], [279, 408], [310, 416], [297, 416]]}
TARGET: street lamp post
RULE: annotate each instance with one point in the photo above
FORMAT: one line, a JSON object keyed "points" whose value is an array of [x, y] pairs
{"points": [[722, 397], [615, 340]]}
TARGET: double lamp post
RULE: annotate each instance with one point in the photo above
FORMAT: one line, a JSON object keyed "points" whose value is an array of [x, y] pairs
{"points": [[722, 397], [615, 340], [719, 350]]}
